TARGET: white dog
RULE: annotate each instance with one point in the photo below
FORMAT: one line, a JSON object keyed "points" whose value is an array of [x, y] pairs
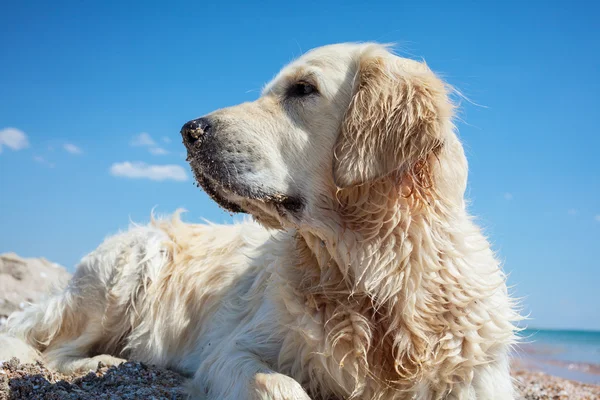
{"points": [[366, 278]]}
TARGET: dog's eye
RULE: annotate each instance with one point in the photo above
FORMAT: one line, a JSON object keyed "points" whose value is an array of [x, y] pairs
{"points": [[301, 89]]}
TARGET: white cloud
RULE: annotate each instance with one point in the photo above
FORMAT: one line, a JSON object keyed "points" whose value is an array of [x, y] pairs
{"points": [[157, 151], [43, 161], [597, 218], [166, 139], [143, 140], [572, 211], [71, 148], [13, 138], [140, 170], [508, 196]]}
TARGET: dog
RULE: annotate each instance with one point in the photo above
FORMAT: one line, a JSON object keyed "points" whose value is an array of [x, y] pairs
{"points": [[361, 276]]}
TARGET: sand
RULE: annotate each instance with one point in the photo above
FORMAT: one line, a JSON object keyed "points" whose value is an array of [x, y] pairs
{"points": [[534, 385], [127, 381], [133, 380]]}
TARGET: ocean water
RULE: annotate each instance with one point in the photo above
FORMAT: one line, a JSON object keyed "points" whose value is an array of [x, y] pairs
{"points": [[570, 354]]}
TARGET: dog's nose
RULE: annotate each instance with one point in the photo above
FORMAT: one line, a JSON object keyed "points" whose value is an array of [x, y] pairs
{"points": [[193, 130]]}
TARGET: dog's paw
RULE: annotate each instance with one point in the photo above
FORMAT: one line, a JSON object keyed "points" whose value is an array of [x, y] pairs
{"points": [[277, 387], [107, 360], [69, 365], [13, 347]]}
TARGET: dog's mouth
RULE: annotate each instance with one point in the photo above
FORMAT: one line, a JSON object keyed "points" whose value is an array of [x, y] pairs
{"points": [[218, 194], [238, 198]]}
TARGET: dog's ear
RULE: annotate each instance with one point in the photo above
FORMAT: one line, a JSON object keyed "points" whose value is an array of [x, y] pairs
{"points": [[396, 118]]}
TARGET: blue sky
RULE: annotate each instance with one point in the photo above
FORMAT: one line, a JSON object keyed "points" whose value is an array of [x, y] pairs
{"points": [[92, 97]]}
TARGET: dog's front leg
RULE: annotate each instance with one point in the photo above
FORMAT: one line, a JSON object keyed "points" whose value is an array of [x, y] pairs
{"points": [[272, 385], [242, 376]]}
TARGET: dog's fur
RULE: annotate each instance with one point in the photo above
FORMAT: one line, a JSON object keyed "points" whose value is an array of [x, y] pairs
{"points": [[366, 277]]}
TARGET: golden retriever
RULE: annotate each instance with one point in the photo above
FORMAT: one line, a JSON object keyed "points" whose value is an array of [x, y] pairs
{"points": [[364, 277]]}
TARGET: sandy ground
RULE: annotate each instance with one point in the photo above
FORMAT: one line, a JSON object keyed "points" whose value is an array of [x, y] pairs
{"points": [[127, 381], [138, 381], [534, 385]]}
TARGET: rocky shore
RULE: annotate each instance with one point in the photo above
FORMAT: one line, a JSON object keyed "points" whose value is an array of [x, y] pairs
{"points": [[26, 280], [127, 381], [138, 381], [534, 385]]}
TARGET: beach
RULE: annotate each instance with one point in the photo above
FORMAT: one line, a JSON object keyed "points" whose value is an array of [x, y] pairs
{"points": [[569, 354], [558, 364], [548, 364], [133, 380], [539, 386], [533, 384]]}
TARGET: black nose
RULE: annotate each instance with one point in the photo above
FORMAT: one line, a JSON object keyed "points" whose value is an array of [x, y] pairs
{"points": [[193, 130]]}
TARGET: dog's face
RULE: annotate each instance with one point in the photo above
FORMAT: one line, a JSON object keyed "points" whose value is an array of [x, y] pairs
{"points": [[339, 116]]}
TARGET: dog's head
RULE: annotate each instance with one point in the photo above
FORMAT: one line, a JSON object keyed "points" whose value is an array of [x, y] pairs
{"points": [[340, 117]]}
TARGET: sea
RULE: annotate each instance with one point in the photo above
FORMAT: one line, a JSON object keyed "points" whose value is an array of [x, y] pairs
{"points": [[570, 354]]}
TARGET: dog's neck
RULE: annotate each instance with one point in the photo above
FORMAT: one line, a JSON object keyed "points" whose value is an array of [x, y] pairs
{"points": [[378, 234], [380, 231]]}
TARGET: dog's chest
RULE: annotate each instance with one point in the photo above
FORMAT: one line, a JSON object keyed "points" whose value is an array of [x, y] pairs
{"points": [[332, 343]]}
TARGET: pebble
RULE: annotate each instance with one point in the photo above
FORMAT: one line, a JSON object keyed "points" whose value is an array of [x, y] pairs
{"points": [[133, 380], [129, 380]]}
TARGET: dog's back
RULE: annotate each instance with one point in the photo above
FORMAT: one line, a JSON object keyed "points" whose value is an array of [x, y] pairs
{"points": [[104, 310]]}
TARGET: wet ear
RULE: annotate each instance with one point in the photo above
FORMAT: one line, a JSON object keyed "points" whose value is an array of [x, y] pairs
{"points": [[397, 116]]}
